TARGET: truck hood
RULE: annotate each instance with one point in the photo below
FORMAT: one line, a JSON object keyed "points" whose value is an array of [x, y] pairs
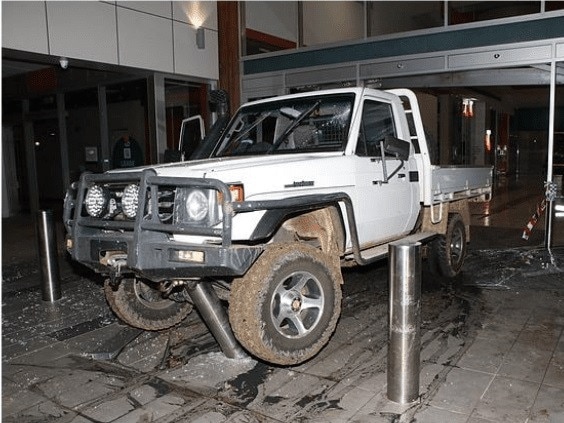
{"points": [[214, 168], [269, 176]]}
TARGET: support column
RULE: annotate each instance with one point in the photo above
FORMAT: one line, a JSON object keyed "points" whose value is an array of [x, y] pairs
{"points": [[550, 159], [63, 140], [229, 39], [29, 135], [156, 106], [105, 148]]}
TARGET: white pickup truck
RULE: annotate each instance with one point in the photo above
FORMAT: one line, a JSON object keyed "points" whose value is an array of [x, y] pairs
{"points": [[294, 188]]}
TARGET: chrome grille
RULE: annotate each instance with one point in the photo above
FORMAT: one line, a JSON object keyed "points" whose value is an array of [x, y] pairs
{"points": [[166, 196]]}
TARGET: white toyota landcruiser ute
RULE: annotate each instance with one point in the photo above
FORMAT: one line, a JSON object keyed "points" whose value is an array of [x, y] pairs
{"points": [[293, 189]]}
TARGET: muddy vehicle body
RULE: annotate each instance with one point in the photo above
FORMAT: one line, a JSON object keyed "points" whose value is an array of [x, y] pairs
{"points": [[295, 188]]}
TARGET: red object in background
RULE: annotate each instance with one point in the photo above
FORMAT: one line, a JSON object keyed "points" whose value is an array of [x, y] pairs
{"points": [[41, 81]]}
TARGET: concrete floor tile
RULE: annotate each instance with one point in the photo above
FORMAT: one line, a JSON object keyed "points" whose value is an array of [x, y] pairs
{"points": [[338, 403], [14, 402], [30, 375], [38, 353], [352, 365], [473, 419], [525, 362], [81, 419], [555, 372], [76, 387], [549, 406], [10, 388], [431, 414], [542, 335], [374, 383], [443, 348], [193, 413], [287, 393], [144, 394], [503, 325], [452, 348], [374, 411], [507, 400], [108, 411], [208, 411], [356, 357], [164, 405], [44, 411], [428, 375], [485, 355], [15, 351], [354, 338], [207, 373], [431, 349], [560, 346], [84, 394], [191, 406], [461, 391]]}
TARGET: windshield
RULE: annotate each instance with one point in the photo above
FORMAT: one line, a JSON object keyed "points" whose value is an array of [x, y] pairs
{"points": [[310, 124]]}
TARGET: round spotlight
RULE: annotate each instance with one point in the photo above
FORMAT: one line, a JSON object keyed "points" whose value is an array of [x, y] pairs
{"points": [[130, 200], [96, 201]]}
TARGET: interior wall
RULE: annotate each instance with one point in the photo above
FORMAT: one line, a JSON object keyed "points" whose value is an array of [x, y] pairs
{"points": [[158, 36], [390, 17], [278, 18], [332, 21]]}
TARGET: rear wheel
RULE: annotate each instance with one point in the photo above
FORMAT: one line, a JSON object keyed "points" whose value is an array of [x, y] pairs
{"points": [[286, 307], [140, 304], [448, 251]]}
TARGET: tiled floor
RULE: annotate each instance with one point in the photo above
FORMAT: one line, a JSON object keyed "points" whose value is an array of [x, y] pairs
{"points": [[492, 345]]}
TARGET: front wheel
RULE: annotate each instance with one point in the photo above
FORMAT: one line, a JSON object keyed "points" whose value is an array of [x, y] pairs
{"points": [[141, 305], [286, 307], [448, 251]]}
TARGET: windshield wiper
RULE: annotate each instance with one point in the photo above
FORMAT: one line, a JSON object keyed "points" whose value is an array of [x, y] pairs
{"points": [[249, 129], [276, 143]]}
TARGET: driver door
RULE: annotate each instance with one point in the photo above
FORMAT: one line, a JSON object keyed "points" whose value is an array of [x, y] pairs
{"points": [[386, 205]]}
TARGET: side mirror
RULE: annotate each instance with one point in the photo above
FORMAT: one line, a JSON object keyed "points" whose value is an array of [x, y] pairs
{"points": [[396, 147]]}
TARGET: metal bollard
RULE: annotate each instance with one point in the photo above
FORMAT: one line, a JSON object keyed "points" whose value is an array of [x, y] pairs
{"points": [[207, 302], [48, 256], [404, 341]]}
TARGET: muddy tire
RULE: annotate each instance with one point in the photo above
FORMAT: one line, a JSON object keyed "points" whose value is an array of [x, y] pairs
{"points": [[447, 252], [140, 305], [287, 305]]}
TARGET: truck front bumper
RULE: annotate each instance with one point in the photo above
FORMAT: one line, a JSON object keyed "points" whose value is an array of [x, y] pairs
{"points": [[161, 260], [146, 246]]}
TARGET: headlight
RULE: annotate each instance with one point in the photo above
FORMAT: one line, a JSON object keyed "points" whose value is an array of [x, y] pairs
{"points": [[96, 200], [130, 200], [197, 205]]}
